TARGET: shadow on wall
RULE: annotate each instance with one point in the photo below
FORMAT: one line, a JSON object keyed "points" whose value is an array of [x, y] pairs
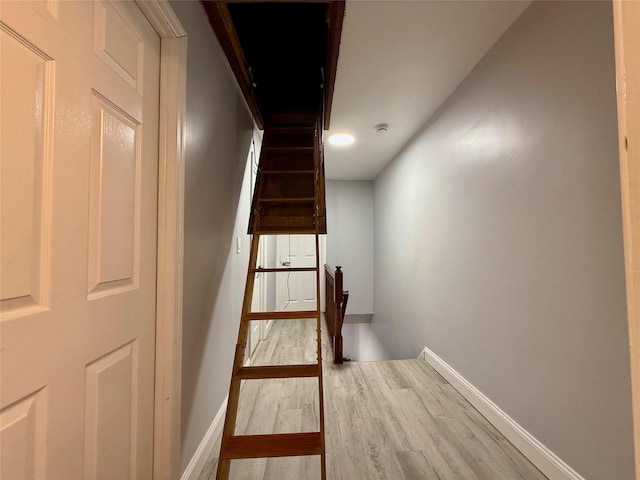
{"points": [[360, 343]]}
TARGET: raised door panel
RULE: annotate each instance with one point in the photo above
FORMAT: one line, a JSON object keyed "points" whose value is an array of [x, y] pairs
{"points": [[23, 437], [111, 410], [25, 174], [114, 211], [118, 45]]}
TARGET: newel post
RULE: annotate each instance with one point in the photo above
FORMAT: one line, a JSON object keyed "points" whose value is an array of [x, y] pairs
{"points": [[337, 341]]}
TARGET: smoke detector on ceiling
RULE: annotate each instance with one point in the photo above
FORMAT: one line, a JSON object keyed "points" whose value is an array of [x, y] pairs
{"points": [[382, 128]]}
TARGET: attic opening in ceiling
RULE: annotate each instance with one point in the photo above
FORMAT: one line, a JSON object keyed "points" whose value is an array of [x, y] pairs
{"points": [[285, 46]]}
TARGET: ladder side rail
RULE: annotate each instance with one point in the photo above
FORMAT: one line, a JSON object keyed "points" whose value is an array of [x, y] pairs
{"points": [[318, 189], [323, 462], [238, 360], [254, 219]]}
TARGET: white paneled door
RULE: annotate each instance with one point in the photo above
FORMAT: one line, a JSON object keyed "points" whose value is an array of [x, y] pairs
{"points": [[79, 162], [296, 290]]}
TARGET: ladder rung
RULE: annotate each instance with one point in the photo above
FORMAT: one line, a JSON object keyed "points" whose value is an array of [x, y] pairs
{"points": [[288, 172], [277, 445], [285, 269], [291, 129], [287, 199], [278, 371], [281, 315], [288, 149], [280, 230]]}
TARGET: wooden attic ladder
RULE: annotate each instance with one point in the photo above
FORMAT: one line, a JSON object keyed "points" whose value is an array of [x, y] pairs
{"points": [[289, 199]]}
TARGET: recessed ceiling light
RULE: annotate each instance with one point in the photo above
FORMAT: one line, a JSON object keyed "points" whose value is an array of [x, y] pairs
{"points": [[342, 139]]}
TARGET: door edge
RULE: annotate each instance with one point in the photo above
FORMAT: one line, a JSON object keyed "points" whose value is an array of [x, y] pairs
{"points": [[625, 13]]}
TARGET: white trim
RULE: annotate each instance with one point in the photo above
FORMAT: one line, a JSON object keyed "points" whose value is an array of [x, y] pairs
{"points": [[543, 458], [172, 131], [267, 328], [162, 17], [204, 450]]}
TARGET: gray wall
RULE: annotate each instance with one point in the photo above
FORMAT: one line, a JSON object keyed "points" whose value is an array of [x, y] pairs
{"points": [[498, 237], [350, 239], [216, 211]]}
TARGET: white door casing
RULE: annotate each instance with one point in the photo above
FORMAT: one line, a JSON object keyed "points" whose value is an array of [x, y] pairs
{"points": [[296, 290], [80, 90], [171, 171]]}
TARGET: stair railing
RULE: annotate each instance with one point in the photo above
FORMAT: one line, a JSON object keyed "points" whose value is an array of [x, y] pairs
{"points": [[336, 305]]}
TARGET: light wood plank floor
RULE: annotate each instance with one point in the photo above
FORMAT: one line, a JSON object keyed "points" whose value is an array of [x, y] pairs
{"points": [[395, 420]]}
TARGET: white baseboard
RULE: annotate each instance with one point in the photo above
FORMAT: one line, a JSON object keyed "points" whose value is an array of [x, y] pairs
{"points": [[202, 453], [267, 328], [543, 458]]}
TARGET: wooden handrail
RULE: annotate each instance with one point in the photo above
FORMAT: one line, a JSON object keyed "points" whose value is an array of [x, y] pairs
{"points": [[336, 303]]}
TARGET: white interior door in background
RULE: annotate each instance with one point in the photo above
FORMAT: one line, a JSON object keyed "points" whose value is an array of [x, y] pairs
{"points": [[79, 166], [258, 301], [296, 290]]}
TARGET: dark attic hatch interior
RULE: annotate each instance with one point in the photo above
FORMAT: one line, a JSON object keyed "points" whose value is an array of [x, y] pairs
{"points": [[285, 46]]}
